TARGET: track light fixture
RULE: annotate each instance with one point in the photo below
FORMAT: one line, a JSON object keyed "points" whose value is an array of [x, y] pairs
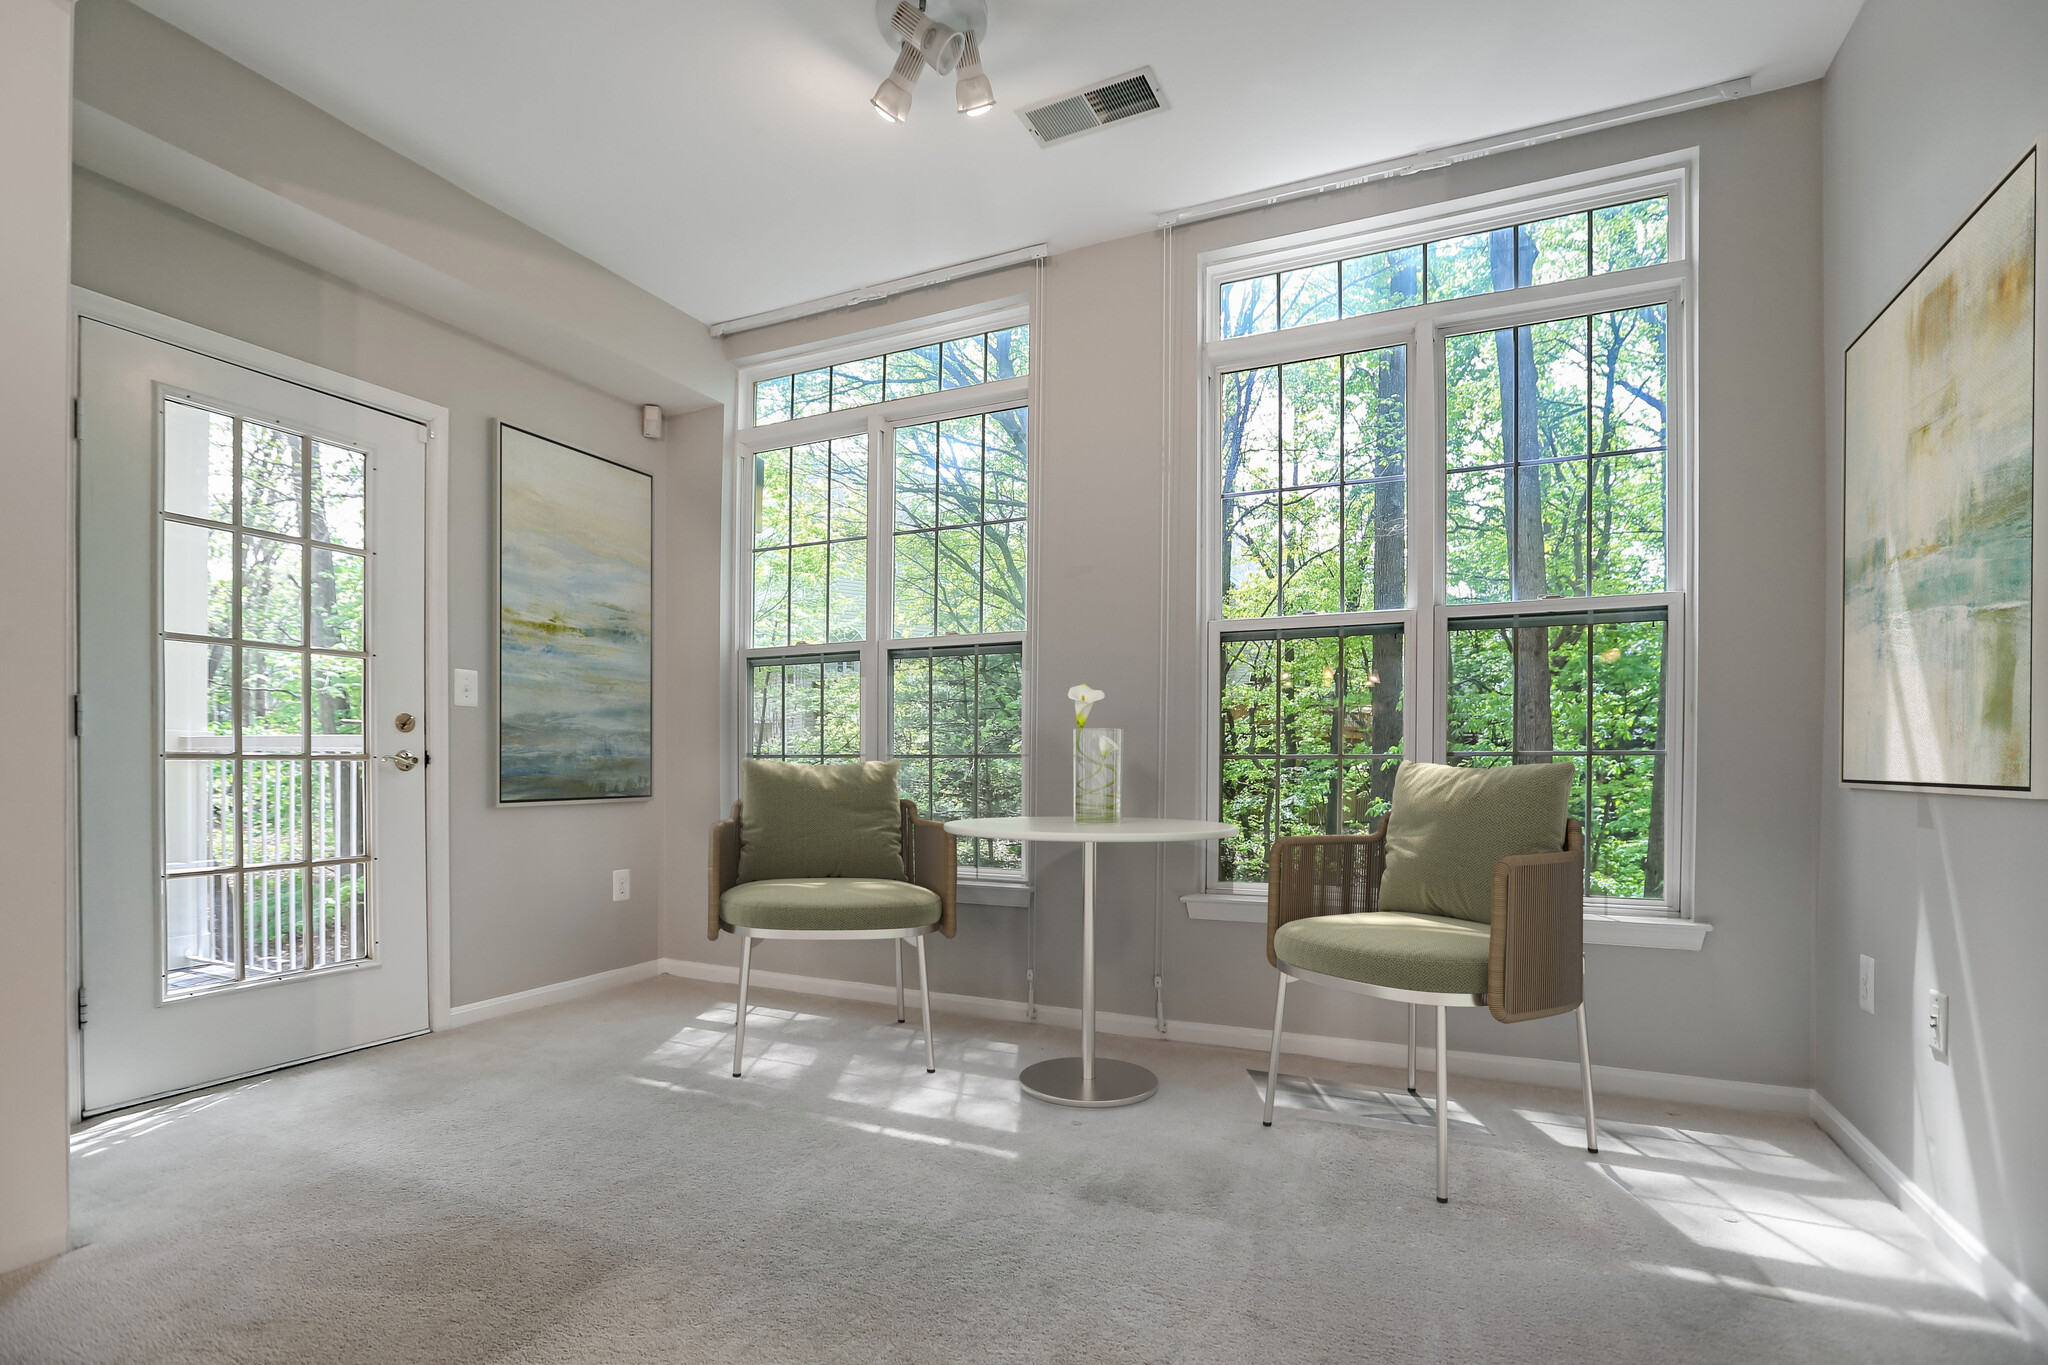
{"points": [[947, 42], [972, 94]]}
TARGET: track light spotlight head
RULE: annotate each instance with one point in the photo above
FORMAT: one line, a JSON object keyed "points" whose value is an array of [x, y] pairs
{"points": [[972, 94], [892, 100]]}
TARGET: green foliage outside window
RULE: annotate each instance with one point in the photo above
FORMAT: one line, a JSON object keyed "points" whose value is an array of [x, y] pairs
{"points": [[1310, 734], [956, 726], [1586, 690], [1314, 471]]}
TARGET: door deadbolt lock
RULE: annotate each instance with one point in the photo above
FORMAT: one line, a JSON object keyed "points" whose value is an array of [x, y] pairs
{"points": [[403, 760], [405, 722]]}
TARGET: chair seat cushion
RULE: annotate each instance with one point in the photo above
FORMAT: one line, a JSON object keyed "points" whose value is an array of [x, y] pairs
{"points": [[1433, 953], [828, 903]]}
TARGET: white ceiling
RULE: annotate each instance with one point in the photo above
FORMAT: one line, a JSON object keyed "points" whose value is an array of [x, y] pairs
{"points": [[723, 155]]}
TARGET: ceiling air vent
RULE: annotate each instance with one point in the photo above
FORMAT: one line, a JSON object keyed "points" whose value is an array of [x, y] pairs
{"points": [[1096, 106]]}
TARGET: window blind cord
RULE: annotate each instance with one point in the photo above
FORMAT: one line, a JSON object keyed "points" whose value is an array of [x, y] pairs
{"points": [[1166, 335]]}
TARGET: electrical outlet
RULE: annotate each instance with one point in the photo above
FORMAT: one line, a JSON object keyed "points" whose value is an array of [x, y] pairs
{"points": [[465, 687], [1937, 1023], [1866, 984], [622, 884]]}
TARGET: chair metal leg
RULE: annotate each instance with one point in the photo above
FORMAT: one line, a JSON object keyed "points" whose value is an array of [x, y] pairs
{"points": [[924, 989], [1273, 1062], [739, 1032], [1586, 1080], [1411, 1051], [1443, 1112], [896, 951]]}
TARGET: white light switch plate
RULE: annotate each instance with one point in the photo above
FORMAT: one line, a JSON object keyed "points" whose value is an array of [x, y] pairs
{"points": [[465, 687], [1866, 984], [1937, 1022], [622, 884]]}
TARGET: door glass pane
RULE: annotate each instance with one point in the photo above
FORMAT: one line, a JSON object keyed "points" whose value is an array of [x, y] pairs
{"points": [[338, 488], [340, 913], [198, 684], [337, 600], [273, 694], [198, 580], [273, 921], [337, 705], [273, 811], [271, 465], [199, 463], [199, 931], [199, 814], [340, 825], [273, 609]]}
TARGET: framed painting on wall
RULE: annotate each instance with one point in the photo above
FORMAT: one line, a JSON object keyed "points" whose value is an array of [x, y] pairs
{"points": [[1941, 654], [575, 624]]}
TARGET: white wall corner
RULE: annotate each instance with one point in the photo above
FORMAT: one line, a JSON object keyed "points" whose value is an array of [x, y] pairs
{"points": [[1972, 1261]]}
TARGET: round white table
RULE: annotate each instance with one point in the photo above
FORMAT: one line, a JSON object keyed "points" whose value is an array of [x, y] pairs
{"points": [[1087, 1081]]}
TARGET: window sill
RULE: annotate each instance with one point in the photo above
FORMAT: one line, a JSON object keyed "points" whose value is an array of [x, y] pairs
{"points": [[1615, 931], [1009, 895]]}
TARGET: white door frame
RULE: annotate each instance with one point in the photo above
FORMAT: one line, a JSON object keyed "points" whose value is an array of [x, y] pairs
{"points": [[171, 331]]}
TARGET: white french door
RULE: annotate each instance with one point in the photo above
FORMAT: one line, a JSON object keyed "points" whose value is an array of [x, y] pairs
{"points": [[252, 708]]}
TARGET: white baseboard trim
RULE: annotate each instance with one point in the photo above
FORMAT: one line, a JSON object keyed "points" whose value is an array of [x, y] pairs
{"points": [[1972, 1260], [478, 1011], [1613, 1080]]}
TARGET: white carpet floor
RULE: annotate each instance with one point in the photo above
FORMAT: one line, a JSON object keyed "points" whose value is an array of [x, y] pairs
{"points": [[588, 1183]]}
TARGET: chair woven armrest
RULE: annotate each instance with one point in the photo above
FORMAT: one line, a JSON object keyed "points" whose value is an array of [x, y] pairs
{"points": [[934, 864], [1322, 874], [1536, 963], [725, 863]]}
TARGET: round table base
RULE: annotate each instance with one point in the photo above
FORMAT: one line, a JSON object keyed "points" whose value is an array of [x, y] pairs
{"points": [[1059, 1082]]}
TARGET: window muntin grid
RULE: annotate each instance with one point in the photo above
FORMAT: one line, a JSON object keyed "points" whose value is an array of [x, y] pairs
{"points": [[1555, 454], [958, 549], [1309, 733], [264, 654], [1544, 251], [804, 708], [1587, 689], [956, 727], [1313, 458], [810, 543], [961, 362]]}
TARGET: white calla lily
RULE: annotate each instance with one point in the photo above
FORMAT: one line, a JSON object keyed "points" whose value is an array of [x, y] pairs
{"points": [[1084, 698]]}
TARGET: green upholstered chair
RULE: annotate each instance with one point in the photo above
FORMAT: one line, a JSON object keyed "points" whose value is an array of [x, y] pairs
{"points": [[829, 851], [1469, 893]]}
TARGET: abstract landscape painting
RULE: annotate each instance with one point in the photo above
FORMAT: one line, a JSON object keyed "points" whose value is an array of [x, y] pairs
{"points": [[1938, 516], [575, 624]]}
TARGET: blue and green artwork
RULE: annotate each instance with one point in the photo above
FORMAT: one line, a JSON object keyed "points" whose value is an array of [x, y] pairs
{"points": [[575, 624]]}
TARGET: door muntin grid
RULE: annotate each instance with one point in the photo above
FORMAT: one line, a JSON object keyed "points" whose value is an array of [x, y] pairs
{"points": [[264, 675]]}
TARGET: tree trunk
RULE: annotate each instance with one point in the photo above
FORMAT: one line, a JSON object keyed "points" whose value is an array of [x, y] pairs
{"points": [[1517, 367]]}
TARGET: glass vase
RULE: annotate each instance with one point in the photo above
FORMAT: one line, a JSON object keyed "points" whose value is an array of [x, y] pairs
{"points": [[1098, 775]]}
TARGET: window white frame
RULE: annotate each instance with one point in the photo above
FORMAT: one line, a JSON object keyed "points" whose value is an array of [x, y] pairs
{"points": [[1423, 329], [879, 422]]}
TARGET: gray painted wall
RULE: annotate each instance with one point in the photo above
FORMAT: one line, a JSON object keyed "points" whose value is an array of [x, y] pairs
{"points": [[1925, 109], [531, 901], [1115, 608], [35, 611]]}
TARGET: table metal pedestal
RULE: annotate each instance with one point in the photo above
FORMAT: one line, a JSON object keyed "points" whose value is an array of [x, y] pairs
{"points": [[1088, 1081]]}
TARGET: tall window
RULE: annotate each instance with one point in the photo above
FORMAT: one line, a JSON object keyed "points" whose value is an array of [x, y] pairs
{"points": [[1511, 595], [893, 626]]}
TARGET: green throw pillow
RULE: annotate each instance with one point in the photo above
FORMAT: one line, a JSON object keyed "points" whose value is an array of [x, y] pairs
{"points": [[819, 820], [1449, 826]]}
